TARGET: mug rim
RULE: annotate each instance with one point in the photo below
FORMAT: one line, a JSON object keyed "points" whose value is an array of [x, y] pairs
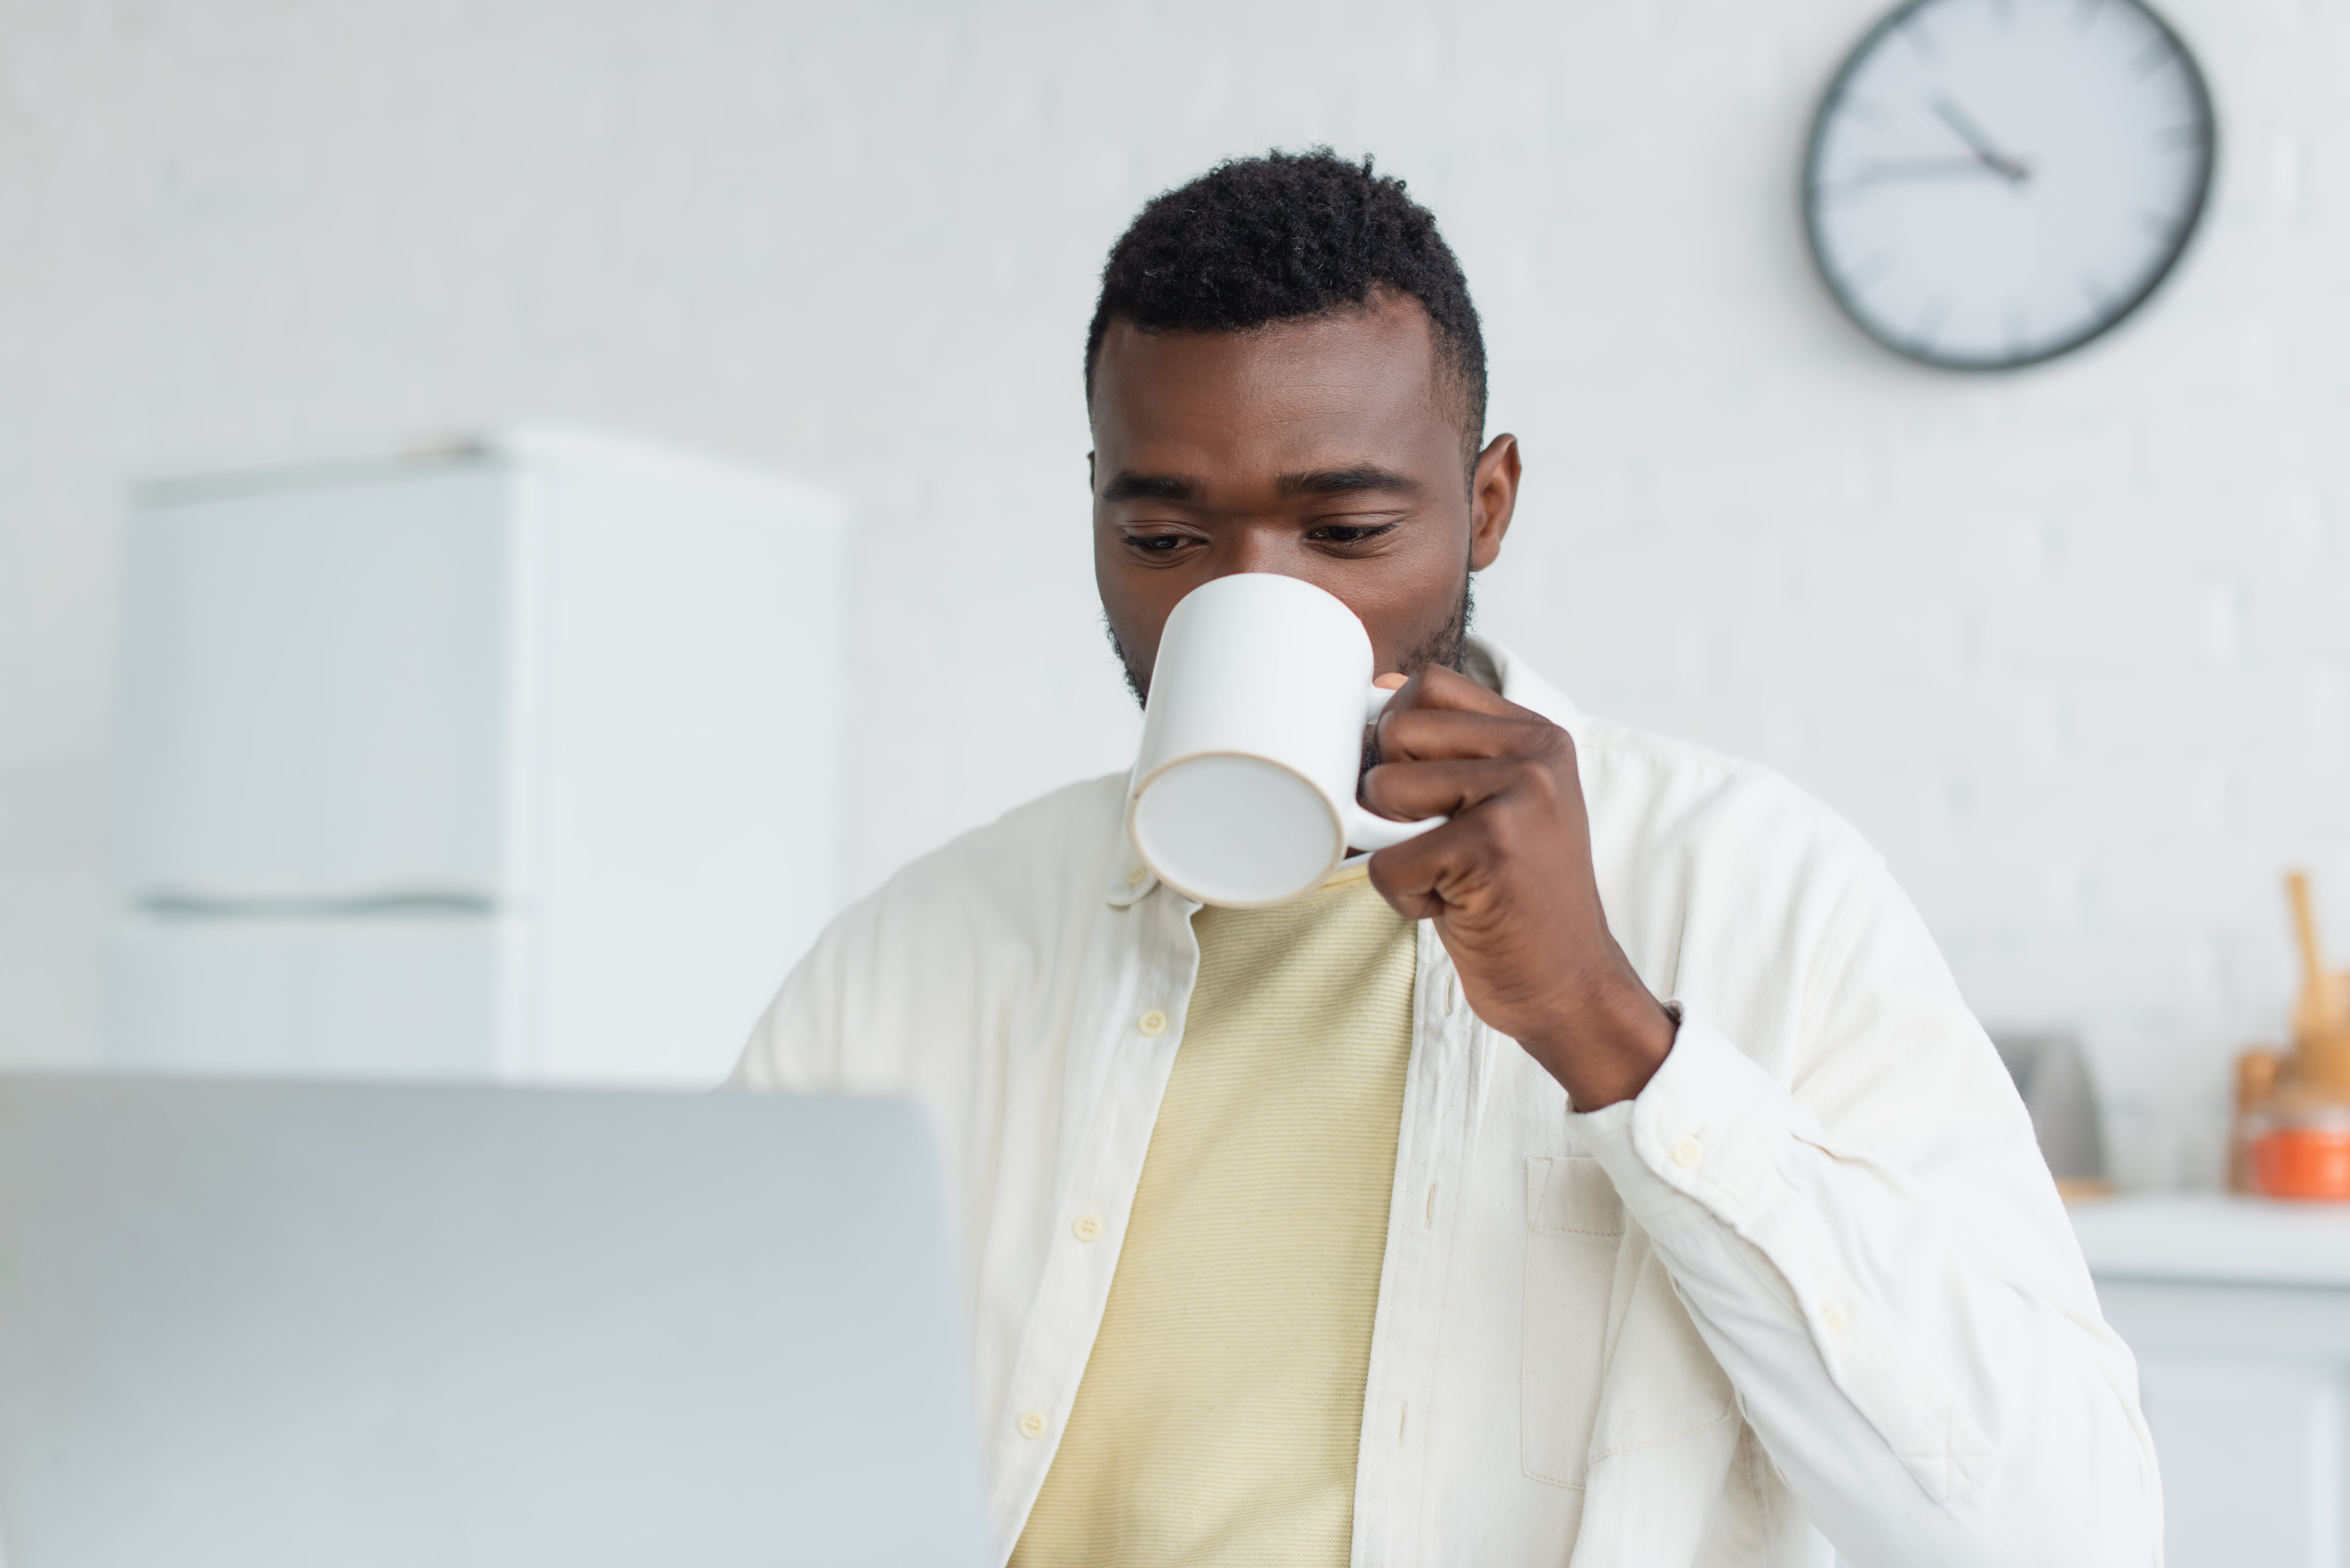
{"points": [[1134, 801]]}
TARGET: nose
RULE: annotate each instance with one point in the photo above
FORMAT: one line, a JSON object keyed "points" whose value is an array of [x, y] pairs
{"points": [[1257, 549]]}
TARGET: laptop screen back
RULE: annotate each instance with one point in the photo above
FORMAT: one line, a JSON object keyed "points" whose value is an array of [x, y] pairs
{"points": [[277, 1327]]}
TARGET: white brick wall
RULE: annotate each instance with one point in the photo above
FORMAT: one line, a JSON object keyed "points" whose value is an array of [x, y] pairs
{"points": [[2071, 646]]}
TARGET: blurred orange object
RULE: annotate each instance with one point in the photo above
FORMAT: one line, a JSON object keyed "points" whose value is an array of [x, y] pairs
{"points": [[2302, 1152], [2292, 1133]]}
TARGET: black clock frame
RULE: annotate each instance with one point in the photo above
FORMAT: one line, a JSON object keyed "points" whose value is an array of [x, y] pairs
{"points": [[2206, 154]]}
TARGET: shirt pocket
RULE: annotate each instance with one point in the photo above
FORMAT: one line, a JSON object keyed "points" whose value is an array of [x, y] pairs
{"points": [[1574, 1229]]}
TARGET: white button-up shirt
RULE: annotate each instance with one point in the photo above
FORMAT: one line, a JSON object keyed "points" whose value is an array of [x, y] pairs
{"points": [[1814, 1280]]}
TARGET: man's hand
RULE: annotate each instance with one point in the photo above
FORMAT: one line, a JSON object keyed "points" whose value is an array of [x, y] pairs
{"points": [[1508, 882]]}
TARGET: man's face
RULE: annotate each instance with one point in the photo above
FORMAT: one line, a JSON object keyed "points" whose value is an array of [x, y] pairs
{"points": [[1329, 448]]}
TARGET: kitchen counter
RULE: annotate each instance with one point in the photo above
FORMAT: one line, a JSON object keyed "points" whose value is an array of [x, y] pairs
{"points": [[2239, 1312], [2216, 1239]]}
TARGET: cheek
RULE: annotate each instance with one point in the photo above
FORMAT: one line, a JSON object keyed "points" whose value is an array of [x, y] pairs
{"points": [[1405, 620], [1135, 613]]}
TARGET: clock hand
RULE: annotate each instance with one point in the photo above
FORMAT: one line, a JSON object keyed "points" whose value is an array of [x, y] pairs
{"points": [[2014, 170], [1907, 169]]}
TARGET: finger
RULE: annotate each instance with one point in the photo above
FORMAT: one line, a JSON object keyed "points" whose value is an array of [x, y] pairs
{"points": [[1409, 791], [1426, 877], [1413, 903], [1427, 733], [1434, 686], [1390, 682]]}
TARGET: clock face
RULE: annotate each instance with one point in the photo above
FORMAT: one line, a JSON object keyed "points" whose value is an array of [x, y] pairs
{"points": [[1994, 181]]}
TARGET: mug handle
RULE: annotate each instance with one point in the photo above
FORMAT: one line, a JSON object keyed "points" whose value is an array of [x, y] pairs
{"points": [[1367, 829]]}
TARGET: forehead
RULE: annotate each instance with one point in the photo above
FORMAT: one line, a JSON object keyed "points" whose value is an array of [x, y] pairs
{"points": [[1364, 381]]}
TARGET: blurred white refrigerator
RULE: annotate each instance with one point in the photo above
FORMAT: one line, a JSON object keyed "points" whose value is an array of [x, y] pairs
{"points": [[515, 759]]}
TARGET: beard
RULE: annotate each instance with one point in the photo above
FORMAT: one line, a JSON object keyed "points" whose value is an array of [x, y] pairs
{"points": [[1447, 648]]}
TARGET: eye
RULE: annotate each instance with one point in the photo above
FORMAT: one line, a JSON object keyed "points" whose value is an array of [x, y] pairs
{"points": [[1157, 544], [1349, 532]]}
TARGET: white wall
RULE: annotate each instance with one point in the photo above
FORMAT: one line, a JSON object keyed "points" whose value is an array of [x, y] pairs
{"points": [[2072, 645]]}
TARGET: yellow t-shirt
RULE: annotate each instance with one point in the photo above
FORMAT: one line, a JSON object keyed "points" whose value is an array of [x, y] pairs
{"points": [[1220, 1411]]}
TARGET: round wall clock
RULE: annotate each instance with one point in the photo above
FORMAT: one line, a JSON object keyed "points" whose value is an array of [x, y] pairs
{"points": [[1991, 182]]}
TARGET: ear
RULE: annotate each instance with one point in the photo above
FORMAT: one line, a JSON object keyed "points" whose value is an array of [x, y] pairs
{"points": [[1492, 500]]}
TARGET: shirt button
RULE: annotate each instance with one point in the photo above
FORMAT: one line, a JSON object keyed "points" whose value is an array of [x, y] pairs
{"points": [[1031, 1423], [1152, 1023], [1688, 1152], [1086, 1228], [1451, 992], [1135, 877], [1832, 1318]]}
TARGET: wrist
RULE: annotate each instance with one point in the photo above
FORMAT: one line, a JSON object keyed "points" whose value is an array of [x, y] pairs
{"points": [[1606, 1047]]}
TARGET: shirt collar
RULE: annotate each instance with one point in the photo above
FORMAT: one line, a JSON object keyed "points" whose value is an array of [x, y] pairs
{"points": [[1130, 878]]}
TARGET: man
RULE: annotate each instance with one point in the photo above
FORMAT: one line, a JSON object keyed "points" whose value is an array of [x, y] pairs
{"points": [[1611, 1175]]}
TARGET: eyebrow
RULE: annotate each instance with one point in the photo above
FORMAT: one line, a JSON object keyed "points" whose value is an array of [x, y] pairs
{"points": [[1128, 485], [1341, 481]]}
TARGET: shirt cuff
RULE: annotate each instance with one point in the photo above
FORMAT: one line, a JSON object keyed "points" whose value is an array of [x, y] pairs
{"points": [[1703, 1136]]}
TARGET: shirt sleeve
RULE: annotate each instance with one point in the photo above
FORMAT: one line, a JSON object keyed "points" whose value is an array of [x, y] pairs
{"points": [[1874, 1253], [799, 1043]]}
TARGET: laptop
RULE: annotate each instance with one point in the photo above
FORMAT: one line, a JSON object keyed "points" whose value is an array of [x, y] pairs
{"points": [[342, 1326]]}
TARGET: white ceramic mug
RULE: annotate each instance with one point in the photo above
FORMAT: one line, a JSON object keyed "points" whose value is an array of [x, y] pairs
{"points": [[1252, 743]]}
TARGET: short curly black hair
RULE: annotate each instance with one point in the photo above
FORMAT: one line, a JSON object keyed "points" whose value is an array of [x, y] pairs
{"points": [[1259, 240]]}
